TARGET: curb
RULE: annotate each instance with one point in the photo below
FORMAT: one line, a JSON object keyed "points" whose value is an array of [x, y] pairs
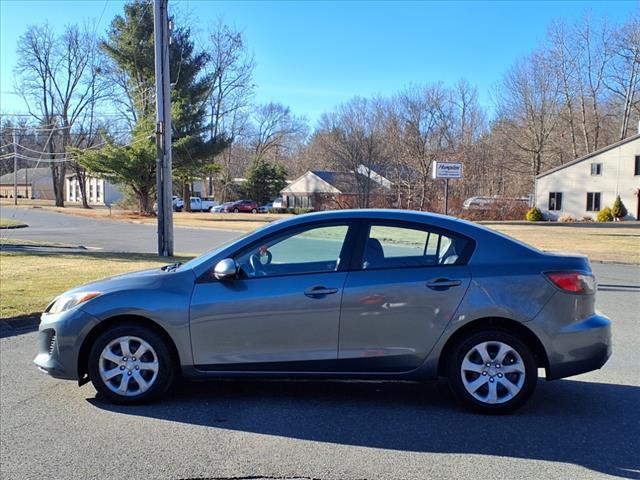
{"points": [[11, 227]]}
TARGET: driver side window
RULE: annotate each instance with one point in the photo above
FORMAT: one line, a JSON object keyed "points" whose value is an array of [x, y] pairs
{"points": [[312, 250]]}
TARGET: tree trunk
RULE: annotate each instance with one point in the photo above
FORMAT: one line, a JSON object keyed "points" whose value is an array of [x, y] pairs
{"points": [[144, 202], [186, 195], [57, 173], [81, 175]]}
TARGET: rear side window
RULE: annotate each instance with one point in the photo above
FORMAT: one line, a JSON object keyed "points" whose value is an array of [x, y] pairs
{"points": [[390, 246]]}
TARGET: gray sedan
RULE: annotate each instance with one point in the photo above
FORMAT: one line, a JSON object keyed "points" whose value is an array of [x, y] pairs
{"points": [[368, 294]]}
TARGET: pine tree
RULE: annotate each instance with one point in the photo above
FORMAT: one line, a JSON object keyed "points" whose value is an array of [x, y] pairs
{"points": [[619, 211]]}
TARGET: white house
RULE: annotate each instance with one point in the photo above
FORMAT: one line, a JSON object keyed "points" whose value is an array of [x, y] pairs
{"points": [[99, 191], [584, 186]]}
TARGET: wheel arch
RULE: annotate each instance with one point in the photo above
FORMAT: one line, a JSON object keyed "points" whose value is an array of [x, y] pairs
{"points": [[494, 323], [95, 332]]}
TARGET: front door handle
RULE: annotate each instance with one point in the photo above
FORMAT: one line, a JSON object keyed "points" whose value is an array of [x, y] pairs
{"points": [[442, 283], [320, 291]]}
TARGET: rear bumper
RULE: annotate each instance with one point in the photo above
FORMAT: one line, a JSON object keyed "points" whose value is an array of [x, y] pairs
{"points": [[578, 347]]}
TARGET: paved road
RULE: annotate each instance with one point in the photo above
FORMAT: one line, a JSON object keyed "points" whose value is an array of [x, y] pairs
{"points": [[584, 427], [110, 235]]}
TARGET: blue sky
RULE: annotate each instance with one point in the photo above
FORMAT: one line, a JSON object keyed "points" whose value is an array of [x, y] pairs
{"points": [[313, 56]]}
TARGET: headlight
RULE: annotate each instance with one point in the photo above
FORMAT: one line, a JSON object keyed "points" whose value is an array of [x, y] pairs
{"points": [[67, 302]]}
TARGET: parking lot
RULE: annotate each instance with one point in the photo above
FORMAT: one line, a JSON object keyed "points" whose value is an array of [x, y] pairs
{"points": [[583, 427]]}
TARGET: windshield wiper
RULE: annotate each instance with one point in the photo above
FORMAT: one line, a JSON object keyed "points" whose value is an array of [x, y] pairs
{"points": [[171, 267]]}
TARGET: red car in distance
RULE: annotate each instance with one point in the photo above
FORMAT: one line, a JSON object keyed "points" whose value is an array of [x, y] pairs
{"points": [[246, 206]]}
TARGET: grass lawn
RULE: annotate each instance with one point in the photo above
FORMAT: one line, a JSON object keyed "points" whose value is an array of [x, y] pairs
{"points": [[600, 243], [10, 223], [28, 281]]}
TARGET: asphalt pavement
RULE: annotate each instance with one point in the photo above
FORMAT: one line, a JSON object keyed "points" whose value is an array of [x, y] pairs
{"points": [[584, 427], [106, 234]]}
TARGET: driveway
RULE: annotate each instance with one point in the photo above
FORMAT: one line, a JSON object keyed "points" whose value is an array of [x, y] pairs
{"points": [[111, 235], [584, 427]]}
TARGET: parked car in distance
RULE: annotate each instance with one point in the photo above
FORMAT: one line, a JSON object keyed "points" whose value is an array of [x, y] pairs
{"points": [[351, 294], [220, 208], [202, 204], [278, 203], [265, 208], [177, 204], [246, 206], [484, 202]]}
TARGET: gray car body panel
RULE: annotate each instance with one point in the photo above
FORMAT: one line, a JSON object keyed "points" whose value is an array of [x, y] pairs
{"points": [[212, 322]]}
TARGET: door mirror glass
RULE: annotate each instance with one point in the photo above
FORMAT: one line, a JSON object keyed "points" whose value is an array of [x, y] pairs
{"points": [[225, 269]]}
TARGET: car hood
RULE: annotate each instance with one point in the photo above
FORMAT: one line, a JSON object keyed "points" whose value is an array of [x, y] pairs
{"points": [[125, 281]]}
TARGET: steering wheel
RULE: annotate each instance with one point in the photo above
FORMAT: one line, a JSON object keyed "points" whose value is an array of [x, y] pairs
{"points": [[259, 260]]}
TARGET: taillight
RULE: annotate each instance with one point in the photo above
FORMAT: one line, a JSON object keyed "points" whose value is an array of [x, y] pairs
{"points": [[574, 282]]}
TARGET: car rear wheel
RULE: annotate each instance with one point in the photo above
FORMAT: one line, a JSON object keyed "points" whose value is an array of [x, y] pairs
{"points": [[235, 210], [492, 372], [253, 210], [130, 364]]}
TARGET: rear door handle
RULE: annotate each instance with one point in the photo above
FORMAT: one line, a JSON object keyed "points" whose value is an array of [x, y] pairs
{"points": [[443, 283], [315, 292]]}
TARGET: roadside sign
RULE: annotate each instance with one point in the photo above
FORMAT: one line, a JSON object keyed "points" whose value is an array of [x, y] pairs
{"points": [[447, 170]]}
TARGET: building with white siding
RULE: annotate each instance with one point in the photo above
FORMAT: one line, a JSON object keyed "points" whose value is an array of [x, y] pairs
{"points": [[99, 191], [584, 186]]}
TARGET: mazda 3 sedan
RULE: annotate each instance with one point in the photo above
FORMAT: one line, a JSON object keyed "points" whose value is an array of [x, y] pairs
{"points": [[367, 294]]}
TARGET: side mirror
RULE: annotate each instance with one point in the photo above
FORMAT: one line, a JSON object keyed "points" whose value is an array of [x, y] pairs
{"points": [[225, 269]]}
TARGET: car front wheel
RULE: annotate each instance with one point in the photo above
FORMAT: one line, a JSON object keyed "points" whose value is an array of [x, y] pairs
{"points": [[130, 364], [492, 372]]}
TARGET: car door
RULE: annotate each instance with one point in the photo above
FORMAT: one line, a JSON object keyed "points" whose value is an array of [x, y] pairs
{"points": [[406, 283], [282, 311]]}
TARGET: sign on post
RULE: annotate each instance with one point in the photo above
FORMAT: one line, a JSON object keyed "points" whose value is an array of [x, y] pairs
{"points": [[446, 170]]}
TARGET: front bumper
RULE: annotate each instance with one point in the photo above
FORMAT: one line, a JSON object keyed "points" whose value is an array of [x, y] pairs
{"points": [[578, 347], [60, 338]]}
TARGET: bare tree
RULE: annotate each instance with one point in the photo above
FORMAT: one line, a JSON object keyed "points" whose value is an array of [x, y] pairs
{"points": [[624, 76], [231, 70], [273, 126], [352, 137], [57, 78], [527, 112]]}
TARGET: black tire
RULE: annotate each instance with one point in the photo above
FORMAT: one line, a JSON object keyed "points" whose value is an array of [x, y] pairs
{"points": [[457, 381], [166, 365], [235, 210], [254, 211]]}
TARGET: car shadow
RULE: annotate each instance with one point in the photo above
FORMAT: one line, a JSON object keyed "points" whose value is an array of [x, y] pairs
{"points": [[594, 425]]}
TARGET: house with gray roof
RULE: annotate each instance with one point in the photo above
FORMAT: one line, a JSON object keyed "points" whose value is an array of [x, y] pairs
{"points": [[325, 190]]}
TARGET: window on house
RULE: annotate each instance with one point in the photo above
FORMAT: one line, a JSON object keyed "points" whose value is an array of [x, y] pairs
{"points": [[596, 169], [98, 192], [593, 201], [90, 191], [555, 201], [636, 170]]}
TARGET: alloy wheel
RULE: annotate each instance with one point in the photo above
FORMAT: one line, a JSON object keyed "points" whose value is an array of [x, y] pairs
{"points": [[128, 366], [493, 372]]}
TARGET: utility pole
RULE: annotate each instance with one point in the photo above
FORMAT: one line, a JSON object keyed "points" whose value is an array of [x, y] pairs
{"points": [[163, 129], [15, 168]]}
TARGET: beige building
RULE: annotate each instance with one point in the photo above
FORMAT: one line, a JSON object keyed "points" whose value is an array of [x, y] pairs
{"points": [[31, 182], [584, 186], [323, 190]]}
